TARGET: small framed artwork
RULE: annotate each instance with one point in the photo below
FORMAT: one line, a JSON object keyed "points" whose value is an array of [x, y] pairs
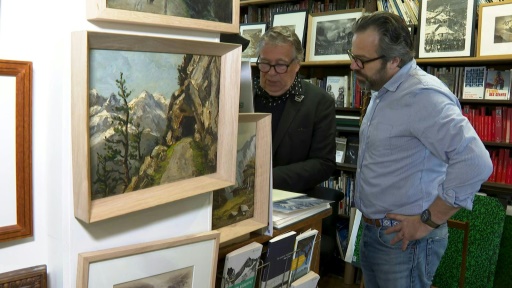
{"points": [[496, 19], [253, 32], [330, 34], [31, 277], [203, 15], [145, 132], [187, 261], [296, 20], [16, 150], [446, 28], [243, 207]]}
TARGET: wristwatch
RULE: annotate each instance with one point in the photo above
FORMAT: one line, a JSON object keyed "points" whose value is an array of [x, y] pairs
{"points": [[425, 218]]}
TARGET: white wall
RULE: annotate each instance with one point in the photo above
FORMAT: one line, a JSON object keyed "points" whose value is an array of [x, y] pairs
{"points": [[39, 31]]}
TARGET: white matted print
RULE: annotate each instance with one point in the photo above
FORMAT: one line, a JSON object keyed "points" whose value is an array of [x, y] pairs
{"points": [[446, 28], [296, 20], [330, 34], [187, 261], [496, 20], [253, 32]]}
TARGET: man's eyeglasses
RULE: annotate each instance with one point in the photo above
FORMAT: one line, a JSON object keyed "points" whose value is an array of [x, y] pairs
{"points": [[360, 63], [279, 68]]}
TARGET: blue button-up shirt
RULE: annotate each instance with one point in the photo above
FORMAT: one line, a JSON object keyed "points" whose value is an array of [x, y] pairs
{"points": [[415, 145]]}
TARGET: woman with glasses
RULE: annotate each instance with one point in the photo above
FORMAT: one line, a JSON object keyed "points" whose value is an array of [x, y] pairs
{"points": [[419, 159], [303, 115]]}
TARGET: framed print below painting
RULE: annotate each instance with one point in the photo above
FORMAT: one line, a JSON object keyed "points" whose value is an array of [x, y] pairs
{"points": [[203, 15], [31, 277], [253, 32], [446, 28], [330, 34], [153, 121], [189, 261], [296, 20], [243, 207], [16, 150], [496, 19]]}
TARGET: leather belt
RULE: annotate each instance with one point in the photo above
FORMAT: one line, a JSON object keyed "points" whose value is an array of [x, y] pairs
{"points": [[384, 222]]}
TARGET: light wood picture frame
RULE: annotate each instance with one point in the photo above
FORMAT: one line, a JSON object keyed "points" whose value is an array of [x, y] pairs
{"points": [[190, 259], [30, 277], [252, 32], [166, 13], [445, 28], [210, 104], [330, 34], [296, 20], [494, 18], [243, 208], [16, 150]]}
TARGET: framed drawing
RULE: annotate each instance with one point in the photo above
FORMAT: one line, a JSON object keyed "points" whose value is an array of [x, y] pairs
{"points": [[16, 150], [204, 15], [496, 19], [253, 32], [153, 121], [330, 34], [187, 261], [31, 277], [446, 28], [295, 20], [243, 207]]}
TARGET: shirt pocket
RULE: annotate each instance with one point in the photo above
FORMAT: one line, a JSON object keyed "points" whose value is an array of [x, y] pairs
{"points": [[379, 138]]}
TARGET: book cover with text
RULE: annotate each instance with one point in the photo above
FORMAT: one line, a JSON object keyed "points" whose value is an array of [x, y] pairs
{"points": [[241, 266], [303, 254], [278, 260], [497, 85], [474, 82]]}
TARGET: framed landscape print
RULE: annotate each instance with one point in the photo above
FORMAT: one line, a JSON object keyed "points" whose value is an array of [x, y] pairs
{"points": [[189, 261], [330, 34], [204, 15], [153, 121], [243, 207], [496, 19], [16, 150], [446, 28], [296, 20], [253, 32]]}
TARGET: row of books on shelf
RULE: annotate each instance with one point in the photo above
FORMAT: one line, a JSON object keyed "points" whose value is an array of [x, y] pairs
{"points": [[407, 9], [492, 124], [502, 166], [345, 90], [345, 183], [475, 82], [286, 263], [347, 149]]}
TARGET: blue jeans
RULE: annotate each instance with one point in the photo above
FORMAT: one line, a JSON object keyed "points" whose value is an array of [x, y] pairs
{"points": [[385, 265]]}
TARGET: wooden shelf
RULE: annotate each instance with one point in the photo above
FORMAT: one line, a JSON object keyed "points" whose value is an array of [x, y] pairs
{"points": [[497, 188], [260, 2]]}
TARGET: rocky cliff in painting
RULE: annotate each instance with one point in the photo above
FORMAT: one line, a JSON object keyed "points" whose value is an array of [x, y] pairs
{"points": [[149, 140]]}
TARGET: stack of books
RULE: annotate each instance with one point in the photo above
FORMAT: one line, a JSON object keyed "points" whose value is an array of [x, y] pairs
{"points": [[289, 207]]}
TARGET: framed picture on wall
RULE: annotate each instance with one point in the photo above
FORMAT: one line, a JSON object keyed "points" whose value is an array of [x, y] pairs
{"points": [[446, 28], [30, 277], [495, 19], [330, 34], [296, 20], [143, 133], [243, 207], [253, 32], [16, 150], [187, 261], [204, 15]]}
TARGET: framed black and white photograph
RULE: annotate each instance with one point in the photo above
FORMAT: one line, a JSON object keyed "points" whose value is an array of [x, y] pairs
{"points": [[496, 18], [446, 28], [253, 32], [296, 20], [330, 34]]}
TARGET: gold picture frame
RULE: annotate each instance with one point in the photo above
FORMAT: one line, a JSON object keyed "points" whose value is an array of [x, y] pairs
{"points": [[189, 258], [494, 18], [220, 117], [101, 10], [30, 277], [255, 185], [16, 86]]}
